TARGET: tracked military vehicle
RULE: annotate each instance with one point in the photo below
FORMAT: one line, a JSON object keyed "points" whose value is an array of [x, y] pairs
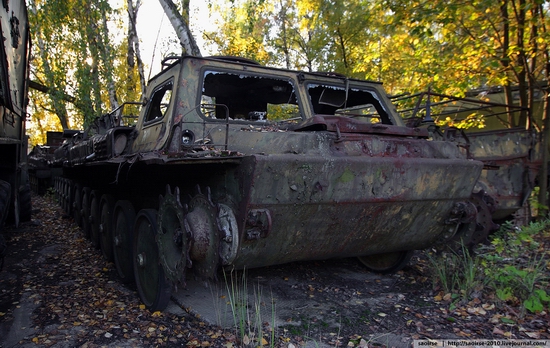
{"points": [[234, 164], [41, 174]]}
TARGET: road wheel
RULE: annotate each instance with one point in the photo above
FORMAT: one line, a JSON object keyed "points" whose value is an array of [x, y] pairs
{"points": [[95, 215], [77, 204], [106, 205], [5, 193], [25, 203], [56, 189], [67, 203], [123, 231], [387, 262], [85, 212], [154, 290], [62, 193]]}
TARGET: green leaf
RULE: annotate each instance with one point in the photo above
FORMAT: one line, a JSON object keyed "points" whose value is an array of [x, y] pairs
{"points": [[542, 295], [505, 294], [533, 304], [507, 320]]}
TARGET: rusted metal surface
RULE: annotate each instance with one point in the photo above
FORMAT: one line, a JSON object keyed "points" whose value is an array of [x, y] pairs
{"points": [[256, 166], [15, 46], [511, 156], [511, 165]]}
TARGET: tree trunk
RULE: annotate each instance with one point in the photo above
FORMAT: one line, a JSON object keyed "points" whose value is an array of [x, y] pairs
{"points": [[505, 59], [522, 61], [543, 174], [284, 32], [108, 59], [342, 45], [92, 106], [55, 94], [181, 27], [532, 65], [133, 54]]}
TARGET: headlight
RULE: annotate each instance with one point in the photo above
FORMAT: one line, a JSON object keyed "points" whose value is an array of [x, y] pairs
{"points": [[120, 144], [187, 138]]}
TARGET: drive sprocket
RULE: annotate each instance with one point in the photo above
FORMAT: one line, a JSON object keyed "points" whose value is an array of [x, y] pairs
{"points": [[202, 224], [172, 239], [485, 206]]}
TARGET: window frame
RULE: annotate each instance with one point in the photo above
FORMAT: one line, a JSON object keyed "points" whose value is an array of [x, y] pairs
{"points": [[253, 74], [148, 110], [350, 86]]}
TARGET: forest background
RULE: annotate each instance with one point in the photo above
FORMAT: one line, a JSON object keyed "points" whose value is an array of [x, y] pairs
{"points": [[86, 56]]}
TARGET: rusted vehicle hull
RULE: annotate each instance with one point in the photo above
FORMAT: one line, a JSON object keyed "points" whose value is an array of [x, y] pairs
{"points": [[312, 206], [512, 157], [232, 164], [382, 208], [511, 165]]}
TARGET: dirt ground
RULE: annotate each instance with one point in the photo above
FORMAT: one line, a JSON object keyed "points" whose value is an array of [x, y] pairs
{"points": [[56, 290]]}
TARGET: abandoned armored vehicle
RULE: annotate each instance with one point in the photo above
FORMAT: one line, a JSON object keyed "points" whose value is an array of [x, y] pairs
{"points": [[41, 174], [234, 164]]}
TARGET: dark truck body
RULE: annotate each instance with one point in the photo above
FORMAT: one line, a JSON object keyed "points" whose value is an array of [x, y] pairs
{"points": [[15, 199], [233, 164]]}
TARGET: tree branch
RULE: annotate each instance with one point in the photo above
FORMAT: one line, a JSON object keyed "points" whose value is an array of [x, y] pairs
{"points": [[47, 90]]}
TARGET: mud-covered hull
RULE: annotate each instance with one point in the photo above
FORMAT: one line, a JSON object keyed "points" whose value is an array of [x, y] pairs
{"points": [[362, 206], [511, 164], [511, 154]]}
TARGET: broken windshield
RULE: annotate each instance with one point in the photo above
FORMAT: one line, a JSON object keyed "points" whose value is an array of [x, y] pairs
{"points": [[248, 97], [349, 101]]}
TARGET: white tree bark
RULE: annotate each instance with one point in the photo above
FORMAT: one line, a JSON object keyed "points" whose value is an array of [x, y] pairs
{"points": [[133, 53], [58, 106], [182, 29], [106, 55]]}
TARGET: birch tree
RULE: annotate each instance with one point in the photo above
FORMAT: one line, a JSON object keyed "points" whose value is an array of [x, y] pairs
{"points": [[49, 75], [181, 26], [133, 55], [75, 60]]}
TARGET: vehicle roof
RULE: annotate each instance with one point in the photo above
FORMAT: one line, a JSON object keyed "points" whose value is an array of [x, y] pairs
{"points": [[245, 61]]}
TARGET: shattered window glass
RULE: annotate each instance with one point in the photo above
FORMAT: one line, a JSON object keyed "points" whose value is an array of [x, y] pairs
{"points": [[360, 103], [248, 97], [160, 102]]}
